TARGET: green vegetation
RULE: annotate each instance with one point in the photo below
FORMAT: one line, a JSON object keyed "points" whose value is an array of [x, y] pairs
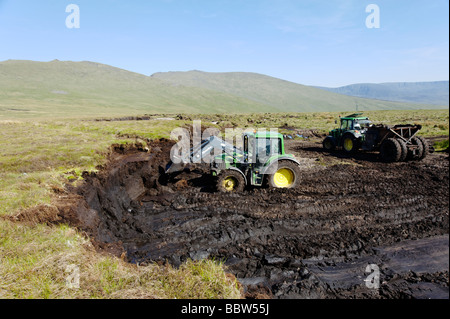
{"points": [[81, 89], [31, 90], [434, 122], [441, 145], [57, 262], [280, 95]]}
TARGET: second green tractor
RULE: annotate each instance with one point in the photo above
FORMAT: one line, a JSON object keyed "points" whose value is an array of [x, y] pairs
{"points": [[395, 143]]}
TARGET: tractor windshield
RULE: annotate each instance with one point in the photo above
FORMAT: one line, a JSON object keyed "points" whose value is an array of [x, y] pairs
{"points": [[347, 124], [266, 147], [363, 123]]}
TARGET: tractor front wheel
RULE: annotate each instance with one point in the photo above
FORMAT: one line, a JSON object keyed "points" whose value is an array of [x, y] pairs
{"points": [[286, 175], [350, 143], [230, 181]]}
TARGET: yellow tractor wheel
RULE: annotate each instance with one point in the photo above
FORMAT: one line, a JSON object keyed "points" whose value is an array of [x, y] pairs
{"points": [[286, 175], [230, 181], [283, 178], [349, 144]]}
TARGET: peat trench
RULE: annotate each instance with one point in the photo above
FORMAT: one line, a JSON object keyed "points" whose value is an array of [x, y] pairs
{"points": [[345, 228]]}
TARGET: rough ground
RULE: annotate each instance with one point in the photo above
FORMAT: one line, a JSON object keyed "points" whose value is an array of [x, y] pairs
{"points": [[315, 241]]}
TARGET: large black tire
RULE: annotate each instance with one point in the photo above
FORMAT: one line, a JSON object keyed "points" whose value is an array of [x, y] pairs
{"points": [[230, 181], [349, 143], [329, 144], [390, 151], [404, 149], [418, 154], [285, 175], [425, 147]]}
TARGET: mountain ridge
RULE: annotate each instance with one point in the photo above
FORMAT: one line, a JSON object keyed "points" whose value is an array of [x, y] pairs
{"points": [[67, 88], [431, 92]]}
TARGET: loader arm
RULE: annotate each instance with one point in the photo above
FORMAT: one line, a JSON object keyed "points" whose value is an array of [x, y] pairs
{"points": [[201, 152]]}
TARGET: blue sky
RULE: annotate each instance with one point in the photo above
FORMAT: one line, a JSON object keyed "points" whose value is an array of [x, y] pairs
{"points": [[312, 42]]}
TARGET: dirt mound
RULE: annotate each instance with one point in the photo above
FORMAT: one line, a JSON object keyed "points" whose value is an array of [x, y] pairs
{"points": [[43, 213], [298, 243]]}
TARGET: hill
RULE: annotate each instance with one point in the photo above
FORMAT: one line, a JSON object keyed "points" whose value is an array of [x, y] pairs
{"points": [[279, 94], [413, 92], [31, 89], [74, 89]]}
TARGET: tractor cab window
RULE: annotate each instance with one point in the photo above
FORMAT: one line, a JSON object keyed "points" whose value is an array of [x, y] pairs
{"points": [[363, 123], [266, 147], [347, 125], [275, 146], [249, 148]]}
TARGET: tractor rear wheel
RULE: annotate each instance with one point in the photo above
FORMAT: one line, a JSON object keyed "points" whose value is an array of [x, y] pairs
{"points": [[230, 181], [285, 175], [417, 153], [404, 149], [390, 151], [329, 144], [425, 147]]}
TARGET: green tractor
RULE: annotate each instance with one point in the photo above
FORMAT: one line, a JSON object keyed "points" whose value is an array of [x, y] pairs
{"points": [[350, 134], [395, 144], [261, 160]]}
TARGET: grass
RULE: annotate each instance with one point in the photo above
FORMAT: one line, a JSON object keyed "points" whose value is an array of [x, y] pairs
{"points": [[39, 157], [27, 90], [283, 96], [441, 145], [434, 122], [43, 262]]}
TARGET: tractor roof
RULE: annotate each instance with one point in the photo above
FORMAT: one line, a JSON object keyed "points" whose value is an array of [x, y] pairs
{"points": [[355, 116]]}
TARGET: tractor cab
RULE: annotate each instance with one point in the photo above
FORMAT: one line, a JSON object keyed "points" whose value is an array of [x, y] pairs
{"points": [[350, 134], [267, 160], [354, 124]]}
